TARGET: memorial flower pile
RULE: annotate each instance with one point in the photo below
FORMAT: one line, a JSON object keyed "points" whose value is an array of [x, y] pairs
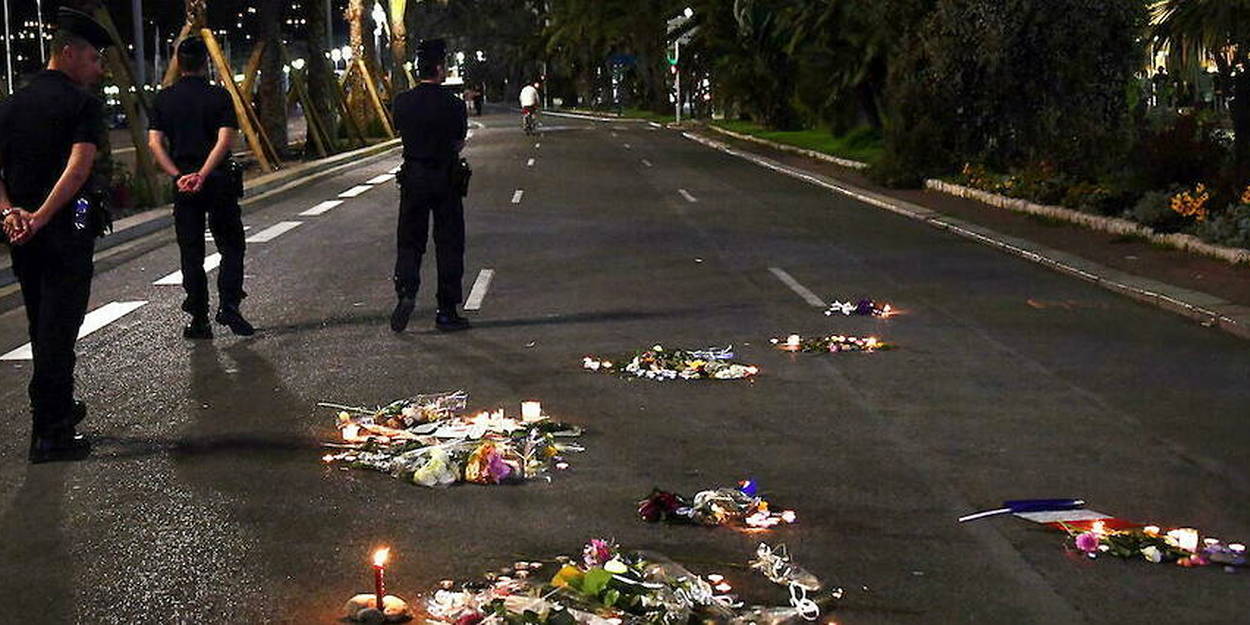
{"points": [[739, 507], [830, 343], [864, 308], [662, 364], [1182, 546], [607, 585], [430, 440]]}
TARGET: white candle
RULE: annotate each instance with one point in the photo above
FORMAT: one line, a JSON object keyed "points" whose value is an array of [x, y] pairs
{"points": [[1186, 538], [793, 340], [531, 411]]}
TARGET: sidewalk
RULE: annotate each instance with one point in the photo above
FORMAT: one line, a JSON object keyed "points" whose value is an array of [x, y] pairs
{"points": [[1211, 291]]}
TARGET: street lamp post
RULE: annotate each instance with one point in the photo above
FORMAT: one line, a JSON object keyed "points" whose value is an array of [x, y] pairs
{"points": [[43, 55], [8, 49]]}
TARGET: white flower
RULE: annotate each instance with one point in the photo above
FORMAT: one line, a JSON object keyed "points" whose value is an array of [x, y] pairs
{"points": [[1152, 554]]}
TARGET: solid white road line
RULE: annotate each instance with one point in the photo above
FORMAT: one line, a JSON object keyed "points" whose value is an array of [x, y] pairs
{"points": [[647, 162], [274, 231], [380, 179], [321, 208], [529, 163], [356, 190], [94, 320], [211, 262], [478, 292], [794, 285], [686, 194], [516, 197]]}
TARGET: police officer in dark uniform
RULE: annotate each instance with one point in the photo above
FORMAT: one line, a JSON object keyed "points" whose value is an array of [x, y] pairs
{"points": [[199, 121], [433, 124], [49, 133]]}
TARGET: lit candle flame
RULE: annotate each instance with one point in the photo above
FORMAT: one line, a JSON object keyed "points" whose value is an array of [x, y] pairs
{"points": [[380, 556], [793, 340], [1098, 527]]}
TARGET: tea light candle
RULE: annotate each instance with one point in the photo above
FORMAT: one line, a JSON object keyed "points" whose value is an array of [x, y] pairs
{"points": [[531, 411]]}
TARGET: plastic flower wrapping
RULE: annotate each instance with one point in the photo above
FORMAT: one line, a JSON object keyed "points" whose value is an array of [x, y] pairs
{"points": [[1182, 546], [739, 507], [832, 343], [610, 586], [431, 441], [864, 308], [658, 363]]}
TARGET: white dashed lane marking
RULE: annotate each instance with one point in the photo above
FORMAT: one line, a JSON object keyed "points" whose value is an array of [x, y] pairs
{"points": [[380, 179], [356, 190], [646, 162], [395, 169], [274, 231], [516, 197], [686, 194], [478, 292], [529, 163], [321, 208], [211, 262], [94, 320], [794, 285]]}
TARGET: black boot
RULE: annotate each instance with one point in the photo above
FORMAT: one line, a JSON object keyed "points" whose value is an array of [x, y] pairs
{"points": [[450, 321], [80, 411], [199, 328], [402, 313], [231, 317], [62, 445]]}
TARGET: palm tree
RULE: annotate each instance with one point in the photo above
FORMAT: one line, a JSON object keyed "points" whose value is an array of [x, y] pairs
{"points": [[1192, 31], [272, 111]]}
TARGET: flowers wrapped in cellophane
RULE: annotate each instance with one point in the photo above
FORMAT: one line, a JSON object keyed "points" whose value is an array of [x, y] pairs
{"points": [[831, 343], [658, 363], [429, 440], [739, 507], [610, 586]]}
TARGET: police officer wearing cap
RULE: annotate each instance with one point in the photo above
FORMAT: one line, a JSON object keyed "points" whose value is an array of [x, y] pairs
{"points": [[49, 133], [199, 122], [433, 125]]}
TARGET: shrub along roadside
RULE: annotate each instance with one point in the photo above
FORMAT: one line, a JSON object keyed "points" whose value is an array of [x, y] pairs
{"points": [[861, 144]]}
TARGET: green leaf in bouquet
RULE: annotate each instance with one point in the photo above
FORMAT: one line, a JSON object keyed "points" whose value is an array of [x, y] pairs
{"points": [[595, 581], [611, 597]]}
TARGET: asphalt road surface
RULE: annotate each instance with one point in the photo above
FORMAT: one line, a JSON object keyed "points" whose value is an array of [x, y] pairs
{"points": [[206, 501]]}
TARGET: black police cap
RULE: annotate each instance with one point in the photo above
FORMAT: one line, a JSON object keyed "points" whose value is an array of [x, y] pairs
{"points": [[84, 26], [431, 50], [193, 46]]}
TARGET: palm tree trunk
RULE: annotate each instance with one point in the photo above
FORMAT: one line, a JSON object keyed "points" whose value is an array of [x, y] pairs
{"points": [[272, 111], [399, 45], [320, 76]]}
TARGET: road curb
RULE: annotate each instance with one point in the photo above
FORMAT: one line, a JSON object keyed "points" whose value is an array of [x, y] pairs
{"points": [[793, 149], [595, 118], [1205, 308], [134, 227]]}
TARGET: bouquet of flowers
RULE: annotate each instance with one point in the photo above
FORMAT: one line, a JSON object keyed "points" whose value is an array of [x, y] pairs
{"points": [[832, 343], [1150, 543], [607, 585], [864, 308], [427, 440], [661, 364], [719, 506]]}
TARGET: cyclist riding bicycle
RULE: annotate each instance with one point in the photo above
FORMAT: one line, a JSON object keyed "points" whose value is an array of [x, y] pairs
{"points": [[529, 106]]}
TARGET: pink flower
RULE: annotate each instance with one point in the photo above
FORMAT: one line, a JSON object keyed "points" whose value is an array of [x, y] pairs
{"points": [[597, 552], [1088, 542]]}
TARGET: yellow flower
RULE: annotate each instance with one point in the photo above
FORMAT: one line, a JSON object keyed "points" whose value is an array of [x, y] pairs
{"points": [[568, 573]]}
